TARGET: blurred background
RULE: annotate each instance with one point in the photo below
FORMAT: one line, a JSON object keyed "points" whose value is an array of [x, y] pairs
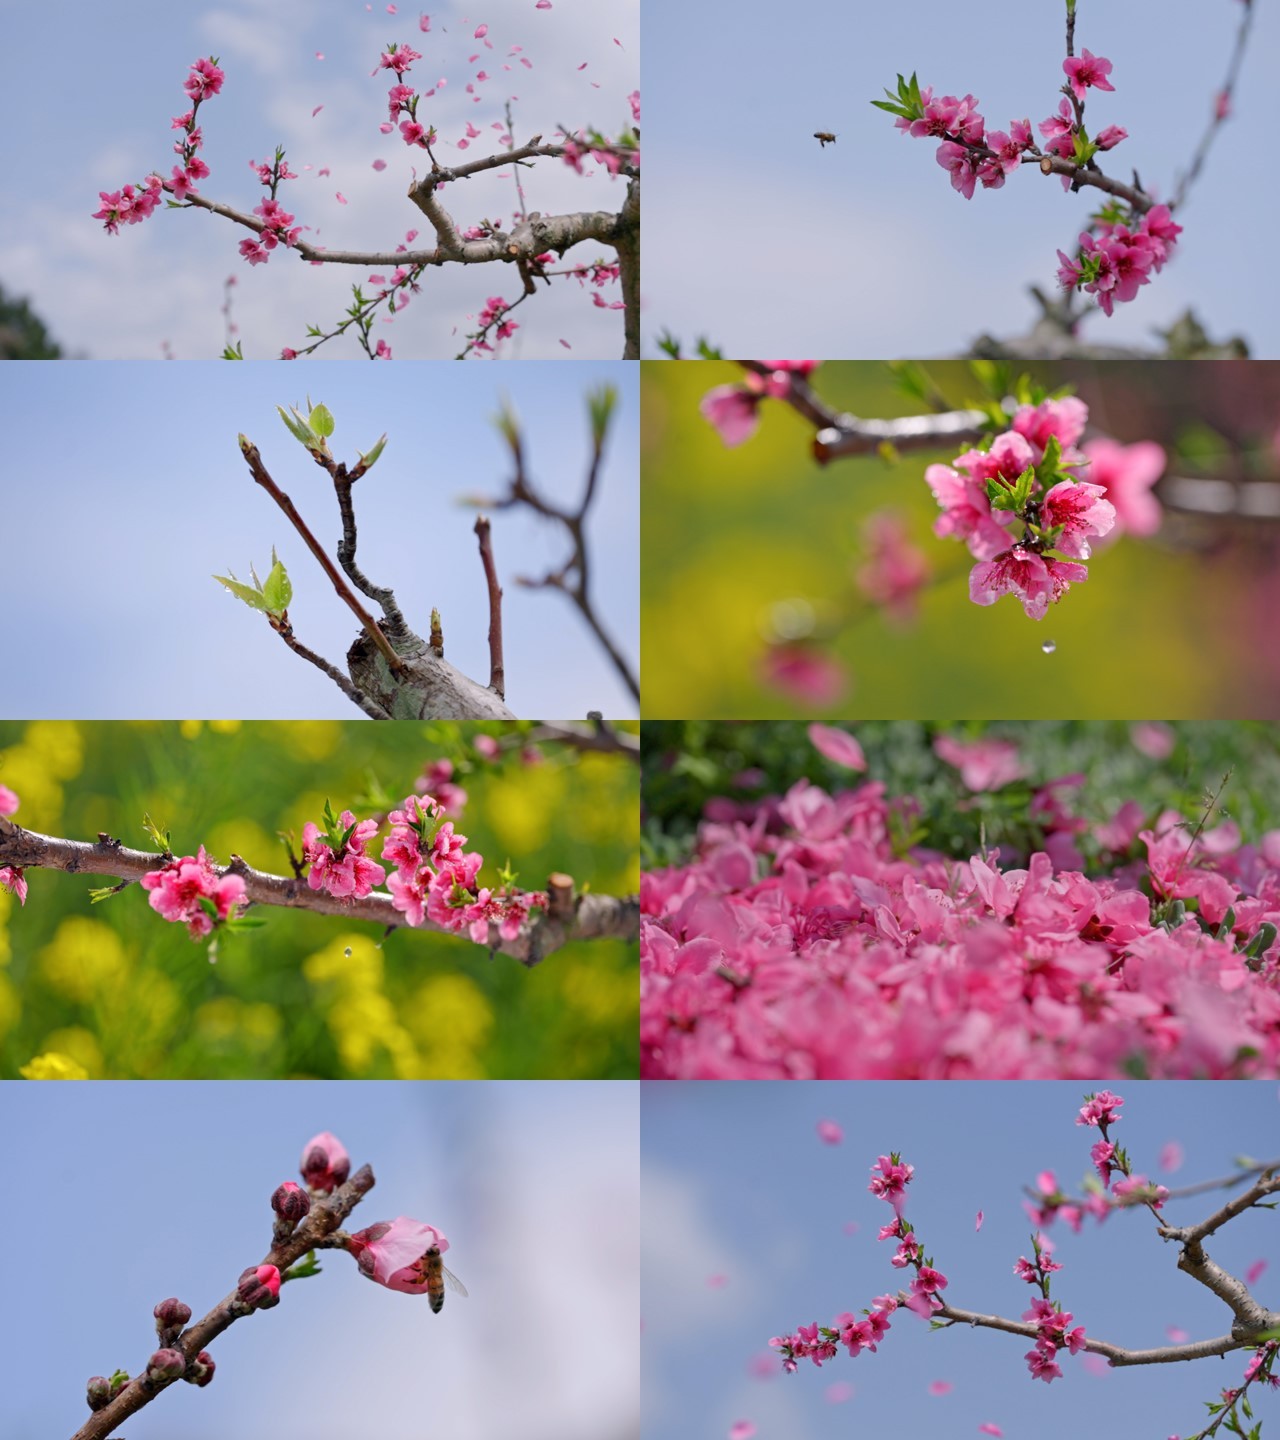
{"points": [[535, 1185], [158, 288], [765, 242], [135, 494], [753, 1226], [1225, 770], [125, 994], [742, 544]]}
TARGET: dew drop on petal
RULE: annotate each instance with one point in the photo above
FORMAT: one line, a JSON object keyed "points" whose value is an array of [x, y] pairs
{"points": [[1049, 646], [347, 952]]}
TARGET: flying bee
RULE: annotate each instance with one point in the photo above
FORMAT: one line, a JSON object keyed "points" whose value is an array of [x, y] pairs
{"points": [[823, 136], [437, 1276]]}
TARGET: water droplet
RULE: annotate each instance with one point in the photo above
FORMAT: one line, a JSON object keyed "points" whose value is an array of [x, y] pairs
{"points": [[347, 952], [1049, 646]]}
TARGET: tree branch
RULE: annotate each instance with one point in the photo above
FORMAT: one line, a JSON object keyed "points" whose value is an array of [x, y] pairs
{"points": [[497, 674], [1116, 1354], [590, 917], [325, 1217], [259, 473]]}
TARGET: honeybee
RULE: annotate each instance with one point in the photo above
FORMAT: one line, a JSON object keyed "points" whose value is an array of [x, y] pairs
{"points": [[823, 136], [438, 1275]]}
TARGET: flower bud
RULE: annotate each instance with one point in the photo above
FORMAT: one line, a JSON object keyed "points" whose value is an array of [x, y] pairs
{"points": [[291, 1202], [325, 1164], [119, 1379], [165, 1365], [98, 1392], [259, 1287], [171, 1315], [200, 1370]]}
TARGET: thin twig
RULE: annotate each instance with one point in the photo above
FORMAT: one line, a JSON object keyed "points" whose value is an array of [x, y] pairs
{"points": [[357, 696], [259, 473], [384, 597], [515, 169], [497, 674], [1221, 108]]}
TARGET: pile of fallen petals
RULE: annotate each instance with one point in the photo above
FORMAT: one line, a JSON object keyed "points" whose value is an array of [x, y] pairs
{"points": [[797, 944]]}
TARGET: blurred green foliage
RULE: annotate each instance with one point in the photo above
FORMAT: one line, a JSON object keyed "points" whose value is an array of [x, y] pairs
{"points": [[728, 534], [124, 994], [687, 762]]}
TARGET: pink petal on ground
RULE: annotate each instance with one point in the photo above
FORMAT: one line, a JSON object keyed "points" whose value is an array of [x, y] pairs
{"points": [[940, 1387], [837, 745], [829, 1132]]}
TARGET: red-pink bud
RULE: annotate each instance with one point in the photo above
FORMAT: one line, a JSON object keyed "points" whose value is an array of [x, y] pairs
{"points": [[171, 1315], [165, 1365], [325, 1163], [200, 1370], [291, 1202], [98, 1392], [259, 1286]]}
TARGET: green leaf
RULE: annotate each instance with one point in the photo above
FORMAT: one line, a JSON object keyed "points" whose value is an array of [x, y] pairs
{"points": [[600, 405], [893, 108], [321, 421], [251, 597], [278, 590], [158, 836], [370, 459], [296, 426], [669, 345], [234, 352], [104, 894]]}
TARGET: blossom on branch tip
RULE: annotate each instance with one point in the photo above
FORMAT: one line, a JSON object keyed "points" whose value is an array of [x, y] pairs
{"points": [[1035, 580], [325, 1163], [1085, 70], [205, 80], [395, 1253]]}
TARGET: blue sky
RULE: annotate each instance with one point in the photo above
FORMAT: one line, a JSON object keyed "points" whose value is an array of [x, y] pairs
{"points": [[104, 104], [766, 242], [142, 1191], [129, 492], [738, 1185]]}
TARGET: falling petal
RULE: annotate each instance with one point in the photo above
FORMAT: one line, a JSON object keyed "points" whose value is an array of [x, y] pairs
{"points": [[829, 1132], [1177, 1334], [987, 1428], [1254, 1273], [717, 1282], [379, 164], [566, 345], [978, 1225], [481, 31], [838, 1393], [319, 54], [850, 1227], [1171, 1157], [940, 1387], [316, 111], [741, 1430], [1094, 1364], [342, 199]]}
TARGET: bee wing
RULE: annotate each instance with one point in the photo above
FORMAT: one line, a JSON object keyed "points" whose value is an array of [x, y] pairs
{"points": [[454, 1284]]}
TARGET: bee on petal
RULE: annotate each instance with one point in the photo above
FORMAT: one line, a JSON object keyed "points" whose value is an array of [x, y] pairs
{"points": [[823, 136]]}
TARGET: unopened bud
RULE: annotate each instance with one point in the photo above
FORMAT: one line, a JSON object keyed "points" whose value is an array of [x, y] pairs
{"points": [[171, 1315], [259, 1287], [166, 1365], [200, 1370], [98, 1392], [291, 1202], [325, 1164]]}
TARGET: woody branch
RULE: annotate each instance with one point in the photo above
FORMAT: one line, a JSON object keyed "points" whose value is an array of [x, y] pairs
{"points": [[569, 917]]}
